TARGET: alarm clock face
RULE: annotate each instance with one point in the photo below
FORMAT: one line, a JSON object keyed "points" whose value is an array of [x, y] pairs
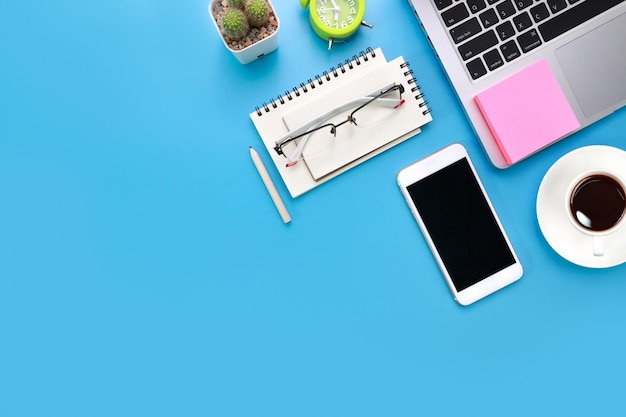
{"points": [[337, 18], [338, 14]]}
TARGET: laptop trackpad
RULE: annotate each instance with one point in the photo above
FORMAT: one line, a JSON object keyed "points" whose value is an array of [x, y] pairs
{"points": [[595, 66]]}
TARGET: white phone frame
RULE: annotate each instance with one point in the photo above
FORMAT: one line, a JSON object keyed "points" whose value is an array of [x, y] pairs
{"points": [[429, 165]]}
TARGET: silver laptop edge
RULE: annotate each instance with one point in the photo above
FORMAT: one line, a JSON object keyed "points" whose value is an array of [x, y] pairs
{"points": [[467, 89]]}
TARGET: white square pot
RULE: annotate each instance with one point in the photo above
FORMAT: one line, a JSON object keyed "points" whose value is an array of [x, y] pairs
{"points": [[254, 51]]}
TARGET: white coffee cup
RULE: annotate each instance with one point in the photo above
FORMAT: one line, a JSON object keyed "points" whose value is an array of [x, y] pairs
{"points": [[596, 205]]}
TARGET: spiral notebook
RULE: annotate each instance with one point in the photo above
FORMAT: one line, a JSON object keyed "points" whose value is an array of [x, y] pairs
{"points": [[354, 78]]}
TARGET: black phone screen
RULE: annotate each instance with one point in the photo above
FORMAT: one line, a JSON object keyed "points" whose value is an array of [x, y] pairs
{"points": [[461, 224]]}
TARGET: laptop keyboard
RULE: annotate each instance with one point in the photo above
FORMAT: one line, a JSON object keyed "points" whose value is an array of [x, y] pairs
{"points": [[490, 33]]}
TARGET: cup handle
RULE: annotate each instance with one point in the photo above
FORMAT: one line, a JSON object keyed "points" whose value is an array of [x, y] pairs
{"points": [[598, 245]]}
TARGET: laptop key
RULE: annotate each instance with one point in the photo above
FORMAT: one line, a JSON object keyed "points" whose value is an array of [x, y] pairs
{"points": [[488, 18], [505, 30], [442, 4], [506, 9], [510, 51], [478, 45], [465, 30], [557, 5], [522, 4], [476, 68], [522, 22], [529, 40], [574, 16], [539, 12], [455, 15], [476, 6], [493, 59]]}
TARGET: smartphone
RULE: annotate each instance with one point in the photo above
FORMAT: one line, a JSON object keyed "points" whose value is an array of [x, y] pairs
{"points": [[459, 223]]}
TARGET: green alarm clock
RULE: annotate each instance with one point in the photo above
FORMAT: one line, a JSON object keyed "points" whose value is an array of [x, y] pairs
{"points": [[335, 20]]}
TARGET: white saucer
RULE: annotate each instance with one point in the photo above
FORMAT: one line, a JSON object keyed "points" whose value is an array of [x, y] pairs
{"points": [[561, 234]]}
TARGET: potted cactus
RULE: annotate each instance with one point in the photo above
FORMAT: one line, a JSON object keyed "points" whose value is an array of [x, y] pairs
{"points": [[248, 28]]}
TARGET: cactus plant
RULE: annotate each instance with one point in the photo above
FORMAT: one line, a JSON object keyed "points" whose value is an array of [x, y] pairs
{"points": [[245, 41], [237, 4], [257, 12], [235, 24]]}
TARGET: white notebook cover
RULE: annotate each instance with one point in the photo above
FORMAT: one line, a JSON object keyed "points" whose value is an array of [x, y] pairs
{"points": [[356, 77]]}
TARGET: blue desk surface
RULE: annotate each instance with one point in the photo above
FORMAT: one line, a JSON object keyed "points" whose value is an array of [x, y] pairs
{"points": [[145, 272]]}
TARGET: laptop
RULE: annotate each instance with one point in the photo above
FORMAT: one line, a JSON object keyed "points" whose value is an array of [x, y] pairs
{"points": [[529, 72]]}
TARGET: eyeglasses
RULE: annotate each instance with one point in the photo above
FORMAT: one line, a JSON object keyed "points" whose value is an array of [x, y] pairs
{"points": [[315, 137]]}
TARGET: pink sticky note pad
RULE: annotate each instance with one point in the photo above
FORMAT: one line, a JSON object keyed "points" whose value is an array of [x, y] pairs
{"points": [[527, 111]]}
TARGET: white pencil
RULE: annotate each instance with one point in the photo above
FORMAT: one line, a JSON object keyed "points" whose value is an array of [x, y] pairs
{"points": [[258, 163]]}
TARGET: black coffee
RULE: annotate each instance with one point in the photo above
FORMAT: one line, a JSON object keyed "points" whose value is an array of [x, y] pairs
{"points": [[598, 202]]}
